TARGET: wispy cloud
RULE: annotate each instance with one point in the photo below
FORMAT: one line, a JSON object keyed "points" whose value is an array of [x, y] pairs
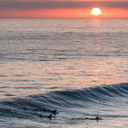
{"points": [[58, 4]]}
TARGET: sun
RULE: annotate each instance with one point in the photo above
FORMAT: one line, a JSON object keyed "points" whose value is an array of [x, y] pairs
{"points": [[96, 11]]}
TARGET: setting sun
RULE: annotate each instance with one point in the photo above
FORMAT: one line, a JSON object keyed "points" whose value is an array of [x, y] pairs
{"points": [[96, 11]]}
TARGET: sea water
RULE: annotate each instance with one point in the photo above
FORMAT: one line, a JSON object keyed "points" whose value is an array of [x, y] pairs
{"points": [[78, 67]]}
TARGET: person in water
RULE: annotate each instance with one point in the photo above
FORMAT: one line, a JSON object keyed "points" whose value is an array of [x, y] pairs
{"points": [[50, 116], [52, 111], [96, 118], [55, 112]]}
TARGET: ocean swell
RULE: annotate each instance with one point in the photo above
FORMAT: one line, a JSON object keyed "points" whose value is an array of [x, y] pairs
{"points": [[36, 105]]}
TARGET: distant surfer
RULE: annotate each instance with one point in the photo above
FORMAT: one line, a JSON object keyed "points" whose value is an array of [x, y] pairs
{"points": [[50, 116], [55, 112], [52, 111], [96, 118]]}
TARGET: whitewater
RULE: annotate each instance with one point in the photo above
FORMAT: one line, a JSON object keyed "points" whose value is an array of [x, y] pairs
{"points": [[72, 69]]}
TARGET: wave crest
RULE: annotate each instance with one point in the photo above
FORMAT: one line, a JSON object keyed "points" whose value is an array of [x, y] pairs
{"points": [[36, 104]]}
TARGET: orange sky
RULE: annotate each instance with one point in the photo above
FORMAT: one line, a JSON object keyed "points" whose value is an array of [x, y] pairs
{"points": [[62, 8]]}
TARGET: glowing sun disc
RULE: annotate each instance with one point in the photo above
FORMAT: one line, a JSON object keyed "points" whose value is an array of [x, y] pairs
{"points": [[96, 11]]}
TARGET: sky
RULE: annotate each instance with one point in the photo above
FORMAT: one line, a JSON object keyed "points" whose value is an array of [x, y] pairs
{"points": [[63, 8]]}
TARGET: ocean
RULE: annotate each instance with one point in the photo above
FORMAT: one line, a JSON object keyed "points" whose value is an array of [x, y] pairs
{"points": [[63, 73]]}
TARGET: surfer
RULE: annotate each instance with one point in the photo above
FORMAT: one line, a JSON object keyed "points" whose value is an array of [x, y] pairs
{"points": [[50, 116], [96, 118], [52, 111], [55, 112]]}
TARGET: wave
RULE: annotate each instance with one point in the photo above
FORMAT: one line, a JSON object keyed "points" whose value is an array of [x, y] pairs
{"points": [[36, 105]]}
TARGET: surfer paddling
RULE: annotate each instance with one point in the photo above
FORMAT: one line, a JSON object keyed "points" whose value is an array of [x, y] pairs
{"points": [[52, 111], [50, 116], [96, 118], [55, 112]]}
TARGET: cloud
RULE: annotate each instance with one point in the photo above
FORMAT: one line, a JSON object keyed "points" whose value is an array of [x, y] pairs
{"points": [[56, 4]]}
